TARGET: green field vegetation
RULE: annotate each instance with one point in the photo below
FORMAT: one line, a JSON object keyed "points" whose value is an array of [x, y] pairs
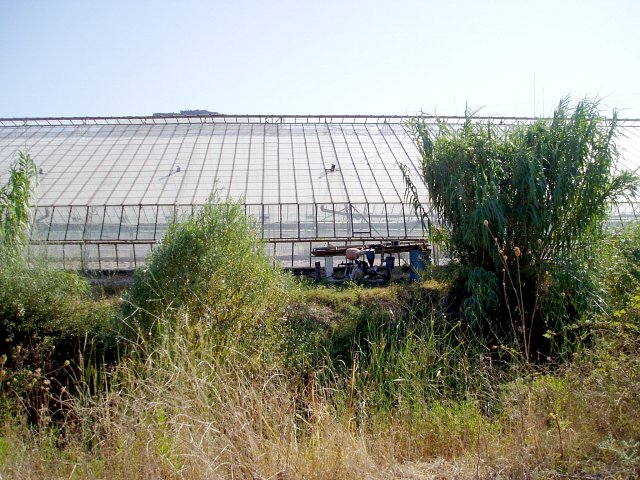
{"points": [[215, 364]]}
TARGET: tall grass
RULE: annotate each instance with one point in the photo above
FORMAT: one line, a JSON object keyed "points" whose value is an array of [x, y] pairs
{"points": [[181, 412]]}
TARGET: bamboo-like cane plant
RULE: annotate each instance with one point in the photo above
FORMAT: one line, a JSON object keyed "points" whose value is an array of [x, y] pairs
{"points": [[526, 205], [15, 202]]}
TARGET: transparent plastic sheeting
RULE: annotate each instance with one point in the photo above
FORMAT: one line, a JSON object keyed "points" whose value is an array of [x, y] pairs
{"points": [[108, 187], [176, 164], [121, 237]]}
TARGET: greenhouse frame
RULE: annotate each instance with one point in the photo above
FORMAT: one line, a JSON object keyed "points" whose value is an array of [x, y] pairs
{"points": [[108, 187]]}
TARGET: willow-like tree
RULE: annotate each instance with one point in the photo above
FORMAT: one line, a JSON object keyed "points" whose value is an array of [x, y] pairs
{"points": [[525, 208]]}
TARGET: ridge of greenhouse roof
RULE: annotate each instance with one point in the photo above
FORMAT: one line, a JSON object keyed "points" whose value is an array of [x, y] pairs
{"points": [[200, 119], [246, 118]]}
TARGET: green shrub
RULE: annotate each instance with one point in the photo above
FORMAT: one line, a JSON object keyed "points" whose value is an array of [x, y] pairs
{"points": [[48, 323], [211, 271], [38, 301], [618, 265], [525, 209], [47, 316]]}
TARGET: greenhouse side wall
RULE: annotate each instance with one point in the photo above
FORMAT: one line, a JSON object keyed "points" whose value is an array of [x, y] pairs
{"points": [[116, 238], [121, 238]]}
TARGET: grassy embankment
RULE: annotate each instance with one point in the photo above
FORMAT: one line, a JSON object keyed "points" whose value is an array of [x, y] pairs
{"points": [[217, 366]]}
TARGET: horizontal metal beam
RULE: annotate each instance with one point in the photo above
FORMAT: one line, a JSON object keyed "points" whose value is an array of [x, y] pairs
{"points": [[93, 242], [250, 119], [199, 119], [358, 240], [383, 247]]}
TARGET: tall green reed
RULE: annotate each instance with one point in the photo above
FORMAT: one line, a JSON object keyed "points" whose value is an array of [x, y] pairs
{"points": [[544, 189], [16, 198]]}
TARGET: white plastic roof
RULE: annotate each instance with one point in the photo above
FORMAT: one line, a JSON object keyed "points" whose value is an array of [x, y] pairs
{"points": [[264, 160], [261, 159]]}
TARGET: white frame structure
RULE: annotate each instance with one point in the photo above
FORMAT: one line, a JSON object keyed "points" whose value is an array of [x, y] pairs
{"points": [[109, 186]]}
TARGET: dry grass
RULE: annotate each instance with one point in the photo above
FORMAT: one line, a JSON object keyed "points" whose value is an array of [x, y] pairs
{"points": [[184, 414], [186, 410]]}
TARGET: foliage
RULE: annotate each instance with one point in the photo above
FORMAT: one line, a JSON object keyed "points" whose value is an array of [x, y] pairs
{"points": [[15, 202], [395, 397], [377, 347], [618, 264], [37, 300], [47, 316], [211, 270], [527, 205], [548, 181]]}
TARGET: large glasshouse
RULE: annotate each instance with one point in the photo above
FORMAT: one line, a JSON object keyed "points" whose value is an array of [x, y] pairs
{"points": [[109, 187]]}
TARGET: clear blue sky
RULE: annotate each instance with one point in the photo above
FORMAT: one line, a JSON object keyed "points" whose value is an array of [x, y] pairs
{"points": [[91, 57]]}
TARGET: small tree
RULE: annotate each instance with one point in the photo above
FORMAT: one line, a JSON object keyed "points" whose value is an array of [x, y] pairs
{"points": [[212, 269], [525, 208]]}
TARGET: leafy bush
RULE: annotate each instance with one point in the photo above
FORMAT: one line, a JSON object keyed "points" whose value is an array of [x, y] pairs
{"points": [[49, 322], [47, 316], [618, 264], [211, 271], [527, 206], [38, 301]]}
